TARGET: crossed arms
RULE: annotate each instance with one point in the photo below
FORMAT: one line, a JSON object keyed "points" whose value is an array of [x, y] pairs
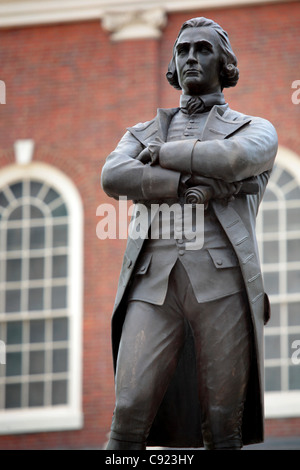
{"points": [[249, 152]]}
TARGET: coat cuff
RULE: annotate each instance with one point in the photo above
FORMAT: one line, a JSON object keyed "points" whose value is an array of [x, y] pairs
{"points": [[177, 155], [159, 182]]}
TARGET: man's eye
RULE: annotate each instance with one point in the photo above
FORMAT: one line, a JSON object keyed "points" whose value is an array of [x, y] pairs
{"points": [[181, 50], [204, 50]]}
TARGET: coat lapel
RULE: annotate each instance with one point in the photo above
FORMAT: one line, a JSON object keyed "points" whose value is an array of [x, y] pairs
{"points": [[218, 126], [164, 117], [157, 128]]}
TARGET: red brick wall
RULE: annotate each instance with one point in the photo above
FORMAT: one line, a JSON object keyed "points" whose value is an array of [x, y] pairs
{"points": [[74, 92]]}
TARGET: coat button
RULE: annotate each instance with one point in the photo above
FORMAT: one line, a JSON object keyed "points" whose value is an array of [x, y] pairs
{"points": [[219, 262], [143, 269], [129, 264]]}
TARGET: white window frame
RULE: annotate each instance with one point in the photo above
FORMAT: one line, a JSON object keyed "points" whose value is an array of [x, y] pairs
{"points": [[70, 416], [284, 404]]}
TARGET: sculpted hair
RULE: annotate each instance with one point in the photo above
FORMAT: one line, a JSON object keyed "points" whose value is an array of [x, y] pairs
{"points": [[229, 73]]}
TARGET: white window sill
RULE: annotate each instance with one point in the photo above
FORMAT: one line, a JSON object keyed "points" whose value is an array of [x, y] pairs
{"points": [[40, 420], [282, 404]]}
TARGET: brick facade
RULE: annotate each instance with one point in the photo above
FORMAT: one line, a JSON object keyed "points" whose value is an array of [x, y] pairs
{"points": [[74, 92]]}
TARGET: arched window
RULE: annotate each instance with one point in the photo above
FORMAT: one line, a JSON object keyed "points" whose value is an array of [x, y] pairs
{"points": [[40, 299], [278, 231]]}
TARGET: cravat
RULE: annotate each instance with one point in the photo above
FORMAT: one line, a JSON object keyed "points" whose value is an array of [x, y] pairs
{"points": [[194, 105], [200, 104]]}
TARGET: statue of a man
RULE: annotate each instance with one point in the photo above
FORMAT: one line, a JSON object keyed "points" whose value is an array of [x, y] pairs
{"points": [[188, 322]]}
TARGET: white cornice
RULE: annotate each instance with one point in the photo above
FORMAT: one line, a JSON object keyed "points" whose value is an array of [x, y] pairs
{"points": [[26, 13]]}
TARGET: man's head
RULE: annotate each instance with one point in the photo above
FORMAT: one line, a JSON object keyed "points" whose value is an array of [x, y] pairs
{"points": [[203, 60]]}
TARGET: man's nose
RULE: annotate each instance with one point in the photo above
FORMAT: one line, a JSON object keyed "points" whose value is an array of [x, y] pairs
{"points": [[192, 58]]}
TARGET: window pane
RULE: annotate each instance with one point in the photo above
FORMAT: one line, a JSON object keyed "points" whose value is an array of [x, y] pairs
{"points": [[13, 396], [37, 237], [36, 362], [272, 347], [294, 314], [60, 329], [60, 211], [60, 235], [59, 392], [13, 363], [59, 266], [293, 219], [59, 297], [271, 252], [270, 220], [36, 213], [293, 250], [271, 281], [284, 178], [3, 200], [60, 360], [293, 281], [269, 195], [36, 299], [35, 188], [13, 270], [37, 331], [17, 189], [36, 268], [294, 377], [294, 194], [16, 214], [14, 332], [14, 239], [275, 316], [272, 379], [13, 301], [51, 196], [36, 394]]}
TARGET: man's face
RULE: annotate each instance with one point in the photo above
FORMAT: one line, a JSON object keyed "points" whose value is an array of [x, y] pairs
{"points": [[198, 61]]}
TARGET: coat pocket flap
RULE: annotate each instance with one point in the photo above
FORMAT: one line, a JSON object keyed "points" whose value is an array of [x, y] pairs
{"points": [[223, 257], [143, 264]]}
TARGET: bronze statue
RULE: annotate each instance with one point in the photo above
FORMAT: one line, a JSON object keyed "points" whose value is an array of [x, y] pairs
{"points": [[187, 327]]}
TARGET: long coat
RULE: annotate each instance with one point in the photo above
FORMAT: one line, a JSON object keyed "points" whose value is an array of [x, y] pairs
{"points": [[232, 147]]}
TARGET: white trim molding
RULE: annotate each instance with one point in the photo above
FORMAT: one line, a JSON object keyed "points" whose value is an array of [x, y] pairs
{"points": [[70, 415], [135, 24], [284, 403], [32, 12], [24, 151]]}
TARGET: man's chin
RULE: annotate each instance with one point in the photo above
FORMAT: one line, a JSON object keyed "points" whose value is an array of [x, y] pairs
{"points": [[194, 87]]}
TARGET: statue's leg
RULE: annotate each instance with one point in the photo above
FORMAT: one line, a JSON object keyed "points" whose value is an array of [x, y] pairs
{"points": [[222, 332], [151, 340]]}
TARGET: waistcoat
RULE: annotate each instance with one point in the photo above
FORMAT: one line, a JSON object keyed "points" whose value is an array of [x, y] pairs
{"points": [[192, 236]]}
